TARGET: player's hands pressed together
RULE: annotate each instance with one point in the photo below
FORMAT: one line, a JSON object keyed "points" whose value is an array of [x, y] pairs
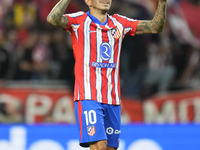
{"points": [[56, 17], [157, 24]]}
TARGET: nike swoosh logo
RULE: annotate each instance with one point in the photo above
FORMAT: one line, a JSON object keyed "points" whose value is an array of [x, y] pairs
{"points": [[92, 31]]}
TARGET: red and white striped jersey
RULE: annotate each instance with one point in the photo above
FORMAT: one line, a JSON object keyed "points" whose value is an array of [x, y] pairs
{"points": [[97, 54]]}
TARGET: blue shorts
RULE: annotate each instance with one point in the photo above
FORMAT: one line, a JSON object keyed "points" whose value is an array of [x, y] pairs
{"points": [[98, 122]]}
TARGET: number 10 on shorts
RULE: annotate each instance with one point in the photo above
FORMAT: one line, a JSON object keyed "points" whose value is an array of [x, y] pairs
{"points": [[90, 117]]}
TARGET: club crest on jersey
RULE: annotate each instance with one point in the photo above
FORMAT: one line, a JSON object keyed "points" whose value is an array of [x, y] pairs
{"points": [[91, 130], [116, 33], [106, 51]]}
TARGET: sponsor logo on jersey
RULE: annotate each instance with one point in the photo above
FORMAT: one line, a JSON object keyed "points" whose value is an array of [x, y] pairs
{"points": [[106, 54], [91, 130], [103, 65], [105, 51]]}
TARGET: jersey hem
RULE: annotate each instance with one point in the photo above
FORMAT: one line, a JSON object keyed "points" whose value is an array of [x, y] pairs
{"points": [[96, 101]]}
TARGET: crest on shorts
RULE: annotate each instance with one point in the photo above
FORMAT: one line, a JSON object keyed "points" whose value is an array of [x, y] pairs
{"points": [[91, 130]]}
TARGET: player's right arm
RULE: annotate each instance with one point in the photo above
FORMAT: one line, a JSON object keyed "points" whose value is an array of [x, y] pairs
{"points": [[56, 17]]}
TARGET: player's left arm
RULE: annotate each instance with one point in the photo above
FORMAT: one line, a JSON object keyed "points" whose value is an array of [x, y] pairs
{"points": [[157, 24]]}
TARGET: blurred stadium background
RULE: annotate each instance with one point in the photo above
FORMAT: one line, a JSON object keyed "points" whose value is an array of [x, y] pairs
{"points": [[160, 78]]}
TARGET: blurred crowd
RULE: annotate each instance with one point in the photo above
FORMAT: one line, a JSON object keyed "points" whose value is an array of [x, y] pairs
{"points": [[31, 49], [165, 62]]}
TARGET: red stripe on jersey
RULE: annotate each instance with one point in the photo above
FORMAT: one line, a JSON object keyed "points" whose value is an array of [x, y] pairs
{"points": [[119, 88], [118, 82], [79, 61], [104, 89], [93, 58], [116, 51], [80, 118], [111, 73], [111, 22], [76, 90], [74, 41]]}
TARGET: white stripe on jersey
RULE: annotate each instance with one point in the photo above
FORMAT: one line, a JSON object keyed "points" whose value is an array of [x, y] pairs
{"points": [[77, 14], [86, 59], [98, 69], [109, 70], [127, 30], [120, 26], [78, 93], [75, 28], [129, 19]]}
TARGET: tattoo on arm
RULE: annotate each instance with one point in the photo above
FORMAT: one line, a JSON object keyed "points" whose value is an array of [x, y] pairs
{"points": [[144, 27], [157, 24], [56, 17]]}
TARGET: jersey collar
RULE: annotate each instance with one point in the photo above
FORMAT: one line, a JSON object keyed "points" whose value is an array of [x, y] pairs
{"points": [[101, 25], [95, 20]]}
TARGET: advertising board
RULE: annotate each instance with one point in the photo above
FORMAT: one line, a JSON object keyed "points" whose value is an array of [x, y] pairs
{"points": [[57, 105], [133, 137]]}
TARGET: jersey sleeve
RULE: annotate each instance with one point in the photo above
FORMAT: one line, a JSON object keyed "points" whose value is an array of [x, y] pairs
{"points": [[73, 18], [130, 25]]}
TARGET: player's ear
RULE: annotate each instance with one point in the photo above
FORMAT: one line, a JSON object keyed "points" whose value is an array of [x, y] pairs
{"points": [[88, 2]]}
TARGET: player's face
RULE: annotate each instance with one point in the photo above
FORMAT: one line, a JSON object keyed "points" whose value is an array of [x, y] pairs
{"points": [[103, 5]]}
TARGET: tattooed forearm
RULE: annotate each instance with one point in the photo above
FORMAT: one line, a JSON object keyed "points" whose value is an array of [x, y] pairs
{"points": [[160, 17], [157, 24], [56, 17], [143, 27]]}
